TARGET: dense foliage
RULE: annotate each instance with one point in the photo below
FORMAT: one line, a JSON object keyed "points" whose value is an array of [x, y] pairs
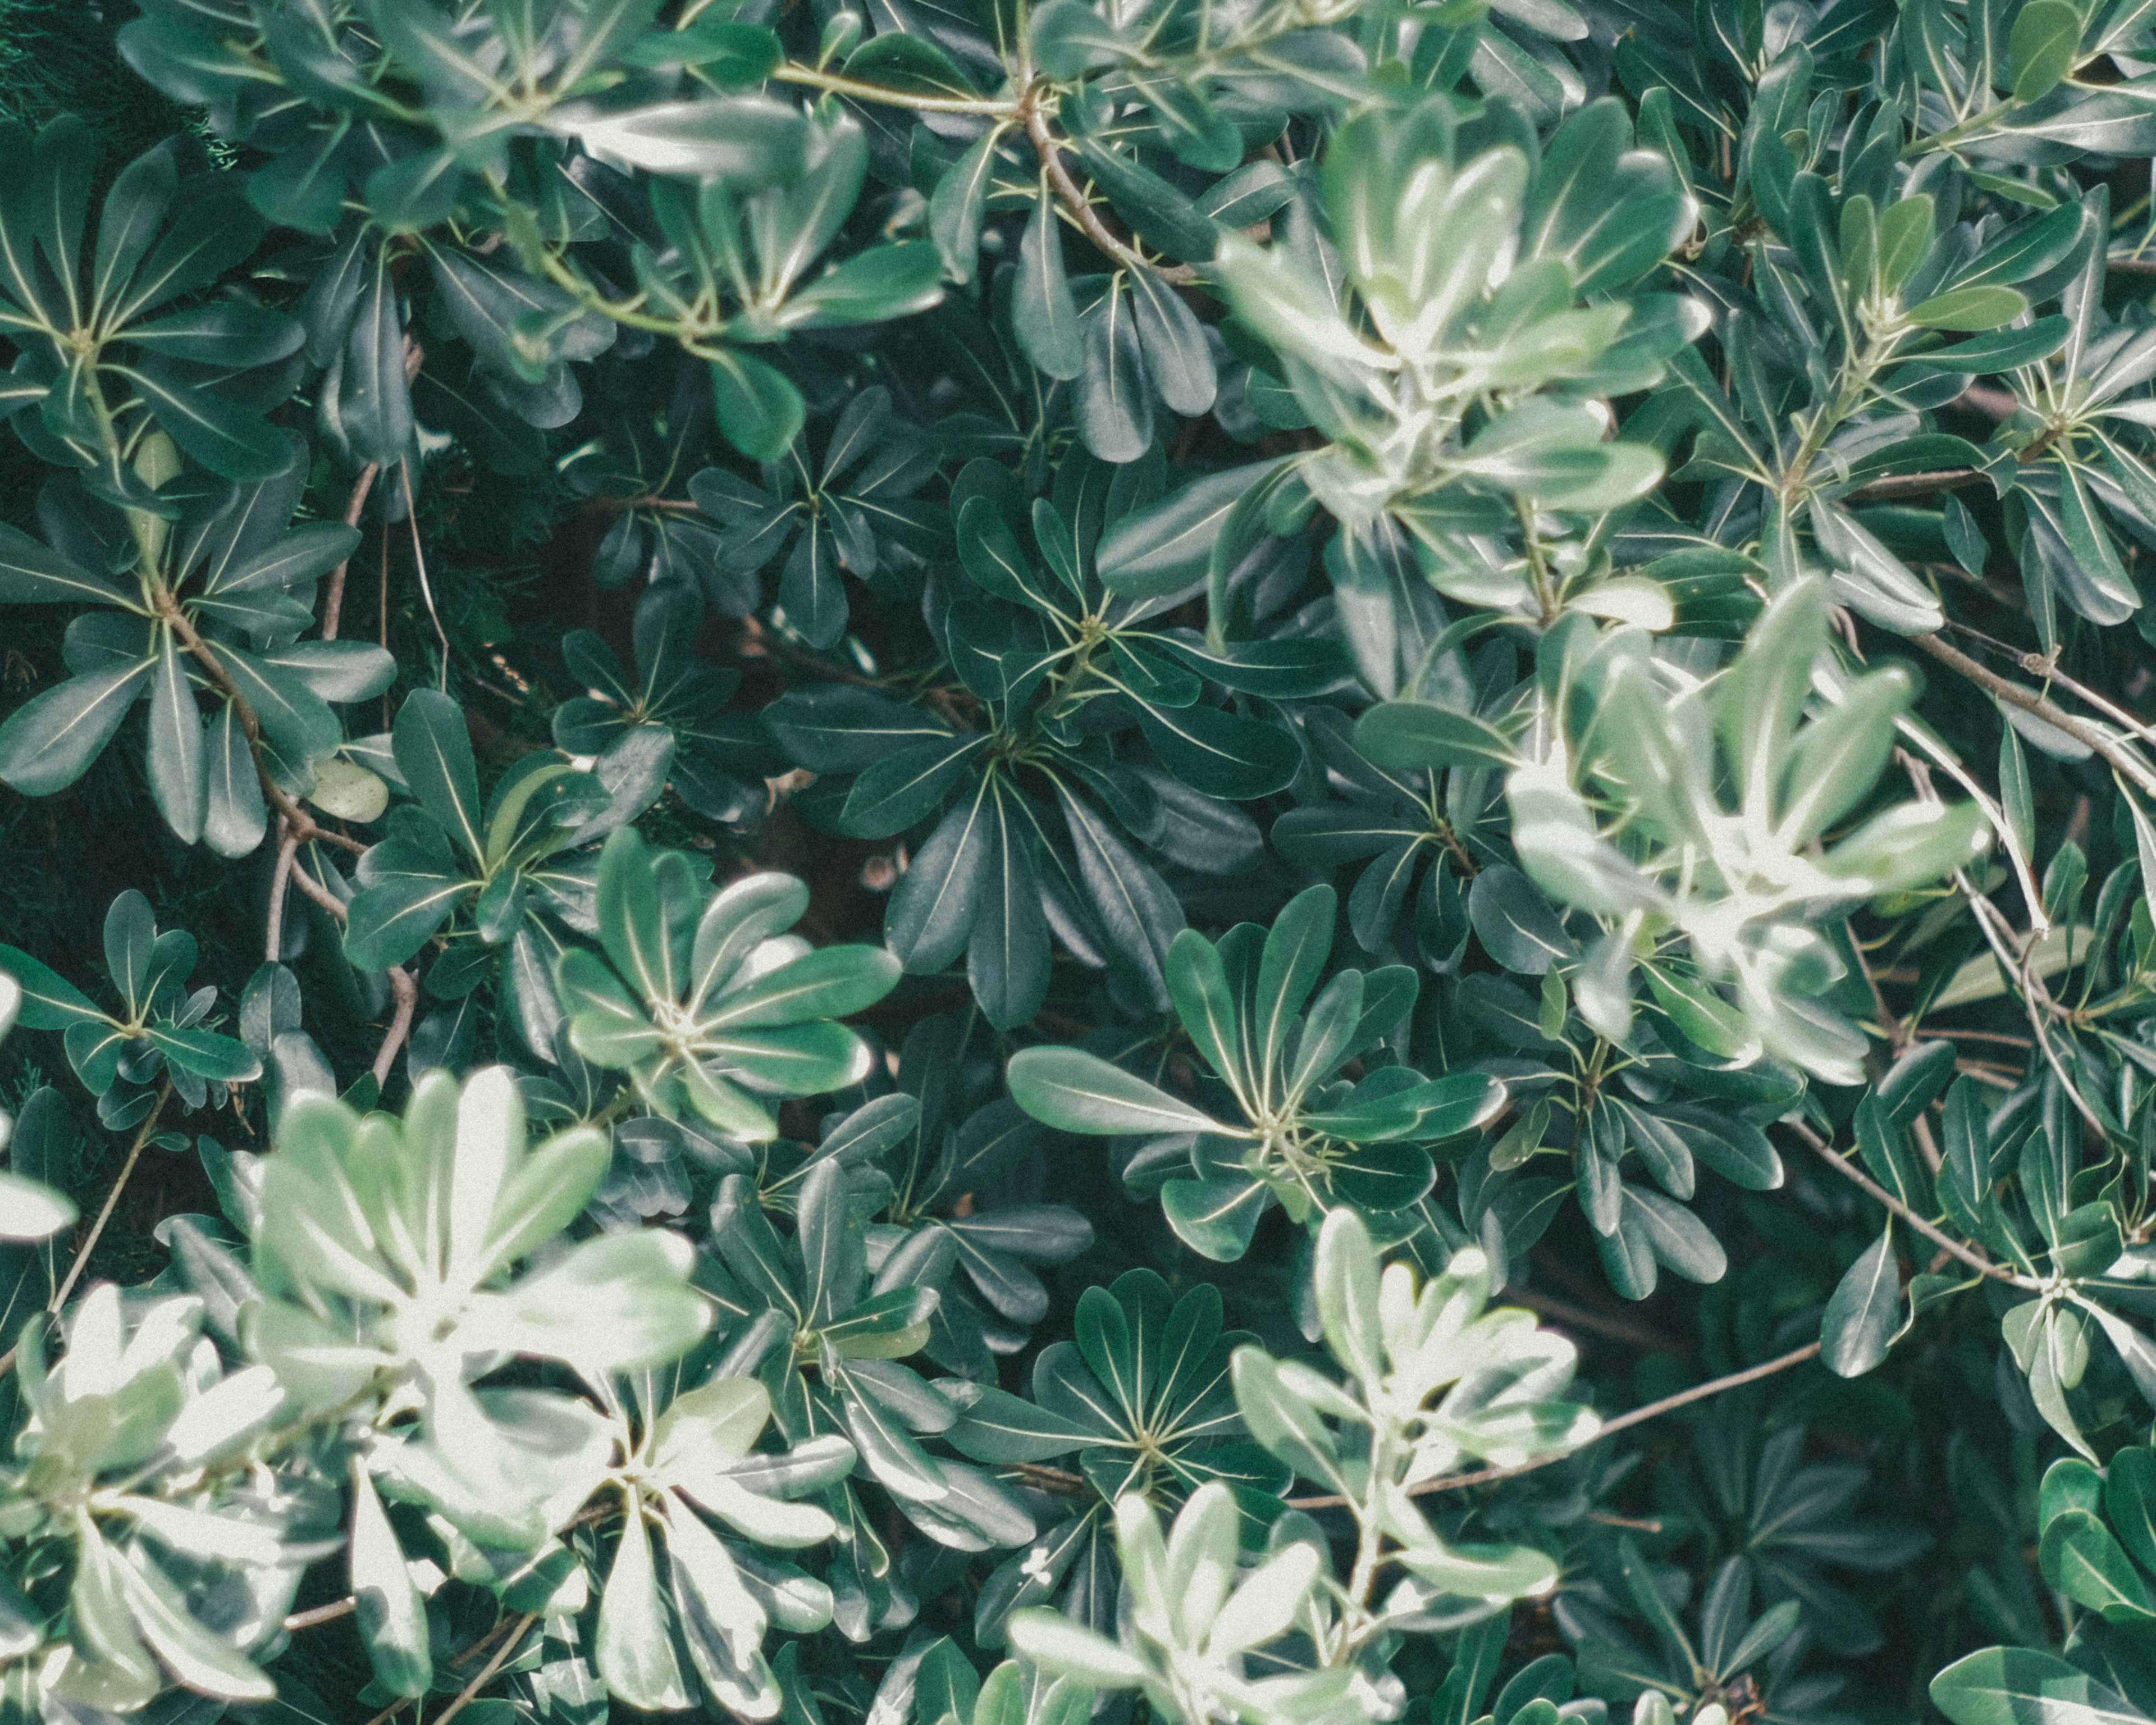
{"points": [[985, 862]]}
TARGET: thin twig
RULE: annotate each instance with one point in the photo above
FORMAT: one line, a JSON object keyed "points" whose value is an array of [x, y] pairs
{"points": [[281, 880], [1618, 1329], [320, 894], [1916, 484], [2091, 737], [111, 1199], [1969, 1255], [333, 598], [1638, 1416], [301, 822], [322, 1614], [407, 991], [486, 1671], [1072, 196], [2010, 841]]}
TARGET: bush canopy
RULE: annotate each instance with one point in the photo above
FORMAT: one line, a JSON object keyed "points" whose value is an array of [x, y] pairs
{"points": [[1008, 862]]}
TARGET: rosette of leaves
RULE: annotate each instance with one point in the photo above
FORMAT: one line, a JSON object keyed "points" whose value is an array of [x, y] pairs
{"points": [[1537, 1693], [1459, 395], [1141, 1400], [1061, 674], [854, 515], [653, 199], [827, 1334], [1626, 1133], [455, 107], [636, 458], [2018, 1180], [673, 691], [703, 1002], [1843, 370], [159, 1035], [1195, 1619], [1732, 1660], [384, 1252], [210, 602], [940, 1684], [1697, 892], [1792, 1520], [1283, 1127], [501, 861], [1397, 820], [2094, 1551], [112, 330], [2079, 436], [955, 1157], [680, 1458], [121, 1464], [1432, 1379]]}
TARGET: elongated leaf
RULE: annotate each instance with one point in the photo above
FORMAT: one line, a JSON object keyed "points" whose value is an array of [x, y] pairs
{"points": [[1075, 1092]]}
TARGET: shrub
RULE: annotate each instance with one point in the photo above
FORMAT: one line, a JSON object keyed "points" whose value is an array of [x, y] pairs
{"points": [[994, 864]]}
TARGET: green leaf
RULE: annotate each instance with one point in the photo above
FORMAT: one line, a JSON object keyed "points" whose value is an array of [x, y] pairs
{"points": [[1413, 735], [1515, 923], [392, 1617], [32, 573], [757, 407], [2041, 50], [179, 778], [1166, 546], [632, 1649], [2020, 1685], [958, 203], [884, 282], [1864, 1311], [50, 742], [1042, 313], [913, 65], [745, 140], [1007, 957], [1114, 397], [434, 755], [1971, 308], [932, 913], [1078, 1093], [1220, 753], [1158, 214], [2079, 1558]]}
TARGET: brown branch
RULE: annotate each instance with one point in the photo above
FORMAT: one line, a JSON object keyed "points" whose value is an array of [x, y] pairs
{"points": [[281, 880], [1072, 196], [322, 1614], [314, 888], [1052, 1479], [333, 600], [301, 823], [1617, 1329], [407, 991], [1915, 484], [1638, 1416], [2097, 741], [486, 1673], [1946, 1242]]}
